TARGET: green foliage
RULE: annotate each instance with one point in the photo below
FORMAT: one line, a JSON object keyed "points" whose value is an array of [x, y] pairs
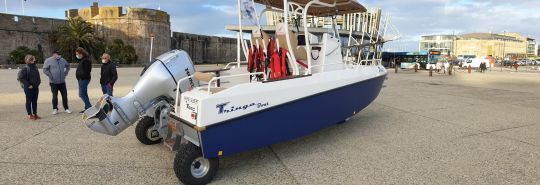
{"points": [[79, 33], [101, 47], [76, 33], [121, 53], [17, 56]]}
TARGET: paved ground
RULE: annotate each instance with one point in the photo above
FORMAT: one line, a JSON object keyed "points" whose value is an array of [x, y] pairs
{"points": [[462, 129]]}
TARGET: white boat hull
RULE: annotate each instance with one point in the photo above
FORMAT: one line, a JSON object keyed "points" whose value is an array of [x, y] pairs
{"points": [[239, 119]]}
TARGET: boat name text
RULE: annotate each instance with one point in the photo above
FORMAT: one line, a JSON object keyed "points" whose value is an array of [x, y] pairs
{"points": [[223, 108]]}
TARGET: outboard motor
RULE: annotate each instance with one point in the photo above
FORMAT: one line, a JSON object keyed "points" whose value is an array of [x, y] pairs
{"points": [[111, 115]]}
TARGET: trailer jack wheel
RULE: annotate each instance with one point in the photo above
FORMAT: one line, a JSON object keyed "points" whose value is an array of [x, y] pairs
{"points": [[192, 168], [146, 133]]}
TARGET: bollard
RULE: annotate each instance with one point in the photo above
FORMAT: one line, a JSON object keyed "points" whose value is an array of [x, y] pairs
{"points": [[469, 69], [415, 68], [430, 71], [396, 68], [450, 70]]}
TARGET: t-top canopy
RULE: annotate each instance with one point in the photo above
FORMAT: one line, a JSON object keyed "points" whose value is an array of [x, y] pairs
{"points": [[342, 6]]}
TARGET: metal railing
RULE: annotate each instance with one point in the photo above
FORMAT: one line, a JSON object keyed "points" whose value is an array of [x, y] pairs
{"points": [[176, 99], [368, 62], [235, 63], [213, 80]]}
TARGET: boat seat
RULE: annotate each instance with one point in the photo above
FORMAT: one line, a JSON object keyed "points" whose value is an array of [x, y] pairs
{"points": [[203, 77], [206, 77], [298, 51]]}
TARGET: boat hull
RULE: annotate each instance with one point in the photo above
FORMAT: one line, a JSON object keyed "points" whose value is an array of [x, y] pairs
{"points": [[290, 120]]}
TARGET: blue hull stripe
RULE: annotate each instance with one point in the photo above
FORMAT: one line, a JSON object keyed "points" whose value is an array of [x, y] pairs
{"points": [[290, 120]]}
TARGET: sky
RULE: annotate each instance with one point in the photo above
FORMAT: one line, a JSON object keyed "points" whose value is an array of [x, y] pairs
{"points": [[412, 18]]}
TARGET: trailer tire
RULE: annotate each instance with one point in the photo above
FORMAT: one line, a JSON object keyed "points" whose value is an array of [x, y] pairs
{"points": [[143, 132], [191, 167]]}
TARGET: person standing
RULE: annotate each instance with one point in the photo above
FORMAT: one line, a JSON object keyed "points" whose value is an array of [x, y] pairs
{"points": [[83, 75], [57, 68], [109, 74], [482, 64], [30, 81]]}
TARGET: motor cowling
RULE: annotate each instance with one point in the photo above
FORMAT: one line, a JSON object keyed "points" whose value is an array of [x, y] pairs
{"points": [[111, 115]]}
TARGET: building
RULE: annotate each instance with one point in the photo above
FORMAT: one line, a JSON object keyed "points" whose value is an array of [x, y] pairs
{"points": [[204, 48], [135, 26], [444, 43], [532, 50], [538, 50], [132, 25], [32, 32], [507, 45]]}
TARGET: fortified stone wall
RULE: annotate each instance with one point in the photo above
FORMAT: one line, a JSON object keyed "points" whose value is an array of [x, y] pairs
{"points": [[135, 26], [32, 32], [206, 49]]}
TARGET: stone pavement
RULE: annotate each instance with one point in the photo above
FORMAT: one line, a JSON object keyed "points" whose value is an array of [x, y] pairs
{"points": [[461, 129]]}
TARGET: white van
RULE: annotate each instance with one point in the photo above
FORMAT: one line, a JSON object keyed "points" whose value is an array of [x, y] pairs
{"points": [[475, 63]]}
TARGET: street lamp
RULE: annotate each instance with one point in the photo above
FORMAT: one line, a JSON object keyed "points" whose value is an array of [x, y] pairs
{"points": [[504, 50], [22, 5], [151, 45]]}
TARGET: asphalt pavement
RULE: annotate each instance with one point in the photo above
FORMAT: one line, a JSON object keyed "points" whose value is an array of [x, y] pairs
{"points": [[461, 129]]}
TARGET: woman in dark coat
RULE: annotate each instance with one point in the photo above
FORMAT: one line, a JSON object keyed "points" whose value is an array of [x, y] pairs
{"points": [[30, 80], [83, 75]]}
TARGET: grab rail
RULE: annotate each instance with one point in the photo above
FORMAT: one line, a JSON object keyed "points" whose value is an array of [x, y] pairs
{"points": [[209, 84], [231, 76], [176, 99], [227, 66]]}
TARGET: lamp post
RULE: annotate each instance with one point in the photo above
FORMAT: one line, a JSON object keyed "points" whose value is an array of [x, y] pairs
{"points": [[22, 4], [504, 50], [151, 45]]}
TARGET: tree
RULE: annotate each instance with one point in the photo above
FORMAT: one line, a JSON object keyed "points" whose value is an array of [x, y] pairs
{"points": [[76, 33], [121, 53], [17, 56]]}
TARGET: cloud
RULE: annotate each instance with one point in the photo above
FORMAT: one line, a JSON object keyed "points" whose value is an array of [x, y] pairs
{"points": [[413, 18], [228, 10], [426, 17]]}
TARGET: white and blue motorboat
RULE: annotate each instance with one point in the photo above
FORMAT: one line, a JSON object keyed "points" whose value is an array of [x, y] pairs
{"points": [[313, 82]]}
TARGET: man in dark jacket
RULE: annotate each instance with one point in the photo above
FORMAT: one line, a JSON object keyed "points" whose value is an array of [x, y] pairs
{"points": [[83, 75], [57, 68], [108, 74]]}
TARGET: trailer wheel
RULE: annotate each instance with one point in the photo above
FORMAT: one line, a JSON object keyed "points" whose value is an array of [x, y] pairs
{"points": [[145, 132], [192, 168]]}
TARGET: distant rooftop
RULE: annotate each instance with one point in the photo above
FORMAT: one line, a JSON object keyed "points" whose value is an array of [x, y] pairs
{"points": [[485, 36]]}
